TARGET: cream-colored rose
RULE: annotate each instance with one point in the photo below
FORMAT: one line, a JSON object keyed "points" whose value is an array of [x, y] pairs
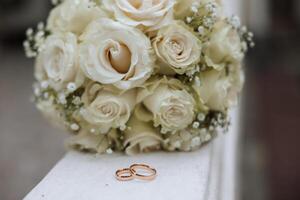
{"points": [[223, 47], [177, 48], [89, 142], [112, 53], [141, 137], [106, 108], [149, 14], [172, 107], [57, 63], [73, 16], [218, 90]]}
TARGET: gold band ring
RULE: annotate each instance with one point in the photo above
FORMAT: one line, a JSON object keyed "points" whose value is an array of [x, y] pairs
{"points": [[143, 172], [124, 174]]}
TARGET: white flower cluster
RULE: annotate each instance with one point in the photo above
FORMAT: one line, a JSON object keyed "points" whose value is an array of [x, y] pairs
{"points": [[35, 40], [138, 75]]}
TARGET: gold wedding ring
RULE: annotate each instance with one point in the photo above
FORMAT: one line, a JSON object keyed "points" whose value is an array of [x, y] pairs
{"points": [[124, 174], [143, 172]]}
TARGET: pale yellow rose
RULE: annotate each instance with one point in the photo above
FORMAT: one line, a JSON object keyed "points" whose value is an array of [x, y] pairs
{"points": [[113, 53], [141, 137], [57, 63], [177, 48], [147, 14], [223, 47], [172, 107], [73, 16], [218, 90], [106, 108], [88, 142]]}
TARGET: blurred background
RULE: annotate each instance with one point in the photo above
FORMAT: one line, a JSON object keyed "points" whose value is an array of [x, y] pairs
{"points": [[270, 135]]}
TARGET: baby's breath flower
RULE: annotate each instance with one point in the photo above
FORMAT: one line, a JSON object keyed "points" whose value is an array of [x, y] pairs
{"points": [[74, 127], [35, 40], [189, 19], [194, 9], [109, 151], [46, 95], [201, 117], [62, 98], [234, 21], [196, 141], [92, 130], [71, 87], [196, 125], [201, 30], [123, 127], [44, 84]]}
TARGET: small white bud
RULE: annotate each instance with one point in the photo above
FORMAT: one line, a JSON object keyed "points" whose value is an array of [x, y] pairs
{"points": [[109, 151], [207, 137], [29, 32], [123, 127], [74, 127], [189, 19], [196, 125], [44, 84], [62, 98], [194, 9], [93, 130], [40, 26], [201, 30], [71, 87], [201, 117], [196, 141]]}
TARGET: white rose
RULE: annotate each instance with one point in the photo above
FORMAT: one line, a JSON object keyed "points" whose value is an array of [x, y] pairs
{"points": [[218, 90], [223, 47], [177, 48], [112, 53], [57, 63], [73, 16], [150, 14], [106, 108], [88, 142], [172, 107], [141, 137]]}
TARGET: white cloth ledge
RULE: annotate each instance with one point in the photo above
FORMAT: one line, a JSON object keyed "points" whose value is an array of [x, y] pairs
{"points": [[207, 174]]}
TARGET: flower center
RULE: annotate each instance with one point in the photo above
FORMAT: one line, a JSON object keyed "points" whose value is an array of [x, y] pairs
{"points": [[176, 47], [109, 109], [135, 3], [120, 58]]}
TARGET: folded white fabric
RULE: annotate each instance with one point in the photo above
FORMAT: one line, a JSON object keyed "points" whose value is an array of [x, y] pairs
{"points": [[207, 174]]}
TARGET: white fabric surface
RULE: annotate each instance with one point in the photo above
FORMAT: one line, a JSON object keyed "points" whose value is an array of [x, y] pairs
{"points": [[207, 174]]}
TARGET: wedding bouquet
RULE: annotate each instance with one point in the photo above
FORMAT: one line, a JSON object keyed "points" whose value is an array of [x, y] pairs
{"points": [[138, 75]]}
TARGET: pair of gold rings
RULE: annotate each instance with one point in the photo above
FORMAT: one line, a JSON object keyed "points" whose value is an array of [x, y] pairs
{"points": [[136, 171]]}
